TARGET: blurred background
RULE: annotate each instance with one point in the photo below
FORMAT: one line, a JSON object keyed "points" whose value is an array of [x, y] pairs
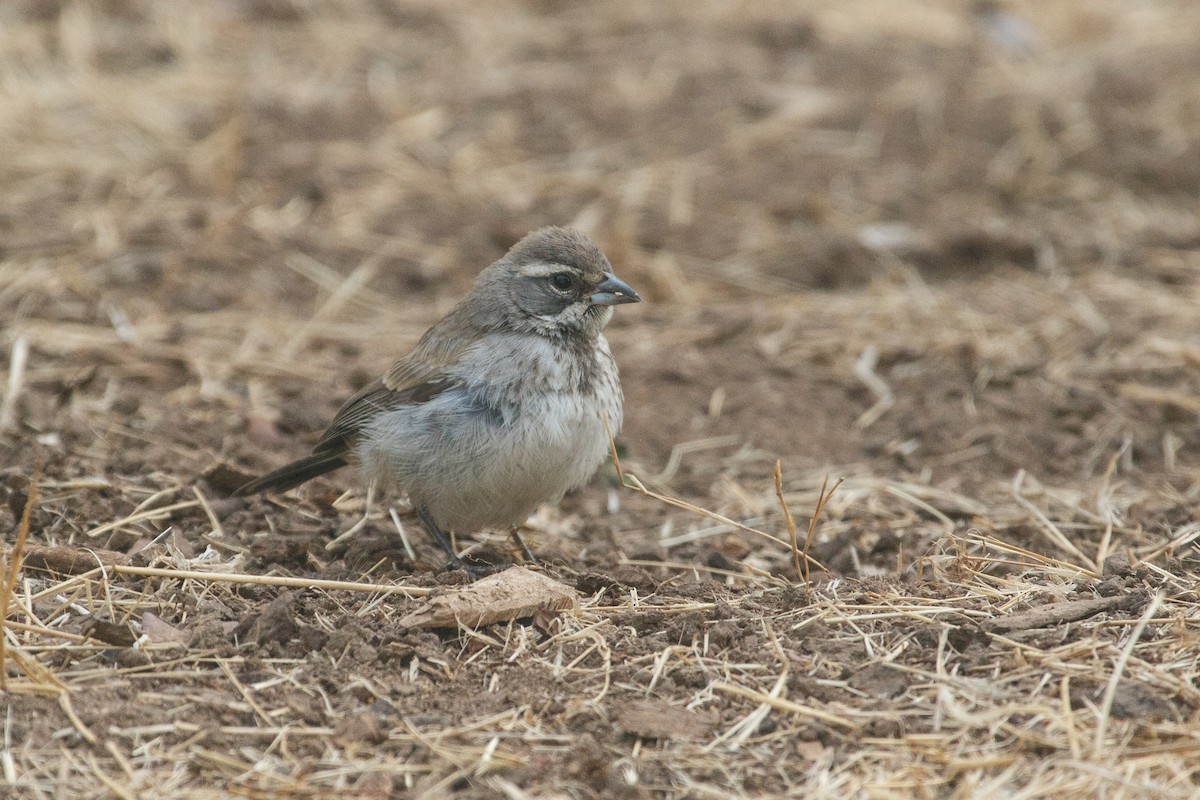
{"points": [[748, 147]]}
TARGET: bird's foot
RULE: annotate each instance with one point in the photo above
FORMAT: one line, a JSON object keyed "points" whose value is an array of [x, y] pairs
{"points": [[474, 569], [526, 553]]}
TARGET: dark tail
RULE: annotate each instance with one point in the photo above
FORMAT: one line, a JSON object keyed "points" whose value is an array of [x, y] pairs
{"points": [[294, 474]]}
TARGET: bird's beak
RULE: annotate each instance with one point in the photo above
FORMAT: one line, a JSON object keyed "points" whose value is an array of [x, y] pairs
{"points": [[612, 291]]}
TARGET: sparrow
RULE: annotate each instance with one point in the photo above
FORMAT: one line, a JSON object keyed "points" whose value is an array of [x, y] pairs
{"points": [[504, 404]]}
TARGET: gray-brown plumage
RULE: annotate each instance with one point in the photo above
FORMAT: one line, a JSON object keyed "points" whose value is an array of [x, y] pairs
{"points": [[504, 403]]}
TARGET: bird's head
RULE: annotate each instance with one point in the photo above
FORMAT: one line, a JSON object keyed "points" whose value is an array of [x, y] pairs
{"points": [[555, 281]]}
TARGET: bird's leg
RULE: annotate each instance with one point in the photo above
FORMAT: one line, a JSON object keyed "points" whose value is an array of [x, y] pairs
{"points": [[526, 553], [439, 536], [358, 526], [474, 568]]}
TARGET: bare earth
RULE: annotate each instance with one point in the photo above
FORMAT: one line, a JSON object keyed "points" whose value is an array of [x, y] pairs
{"points": [[949, 252]]}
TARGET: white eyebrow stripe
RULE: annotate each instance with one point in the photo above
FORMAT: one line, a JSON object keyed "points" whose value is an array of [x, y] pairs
{"points": [[542, 269]]}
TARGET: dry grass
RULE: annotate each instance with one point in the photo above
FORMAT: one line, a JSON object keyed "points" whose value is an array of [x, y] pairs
{"points": [[941, 261]]}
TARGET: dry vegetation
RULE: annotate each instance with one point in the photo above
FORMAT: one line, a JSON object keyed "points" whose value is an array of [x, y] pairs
{"points": [[949, 252]]}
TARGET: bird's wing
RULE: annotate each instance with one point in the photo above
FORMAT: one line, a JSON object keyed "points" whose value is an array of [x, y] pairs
{"points": [[416, 378]]}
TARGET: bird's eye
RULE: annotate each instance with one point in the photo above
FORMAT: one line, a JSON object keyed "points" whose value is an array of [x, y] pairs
{"points": [[562, 281]]}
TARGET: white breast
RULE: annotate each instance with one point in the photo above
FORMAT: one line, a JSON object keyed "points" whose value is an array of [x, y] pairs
{"points": [[472, 469]]}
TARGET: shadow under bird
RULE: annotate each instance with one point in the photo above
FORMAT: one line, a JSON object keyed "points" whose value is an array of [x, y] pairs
{"points": [[504, 404]]}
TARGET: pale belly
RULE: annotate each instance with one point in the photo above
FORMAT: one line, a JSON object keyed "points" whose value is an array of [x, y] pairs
{"points": [[470, 470]]}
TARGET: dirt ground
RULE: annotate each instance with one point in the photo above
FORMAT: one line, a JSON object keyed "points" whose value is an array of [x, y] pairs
{"points": [[948, 252]]}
